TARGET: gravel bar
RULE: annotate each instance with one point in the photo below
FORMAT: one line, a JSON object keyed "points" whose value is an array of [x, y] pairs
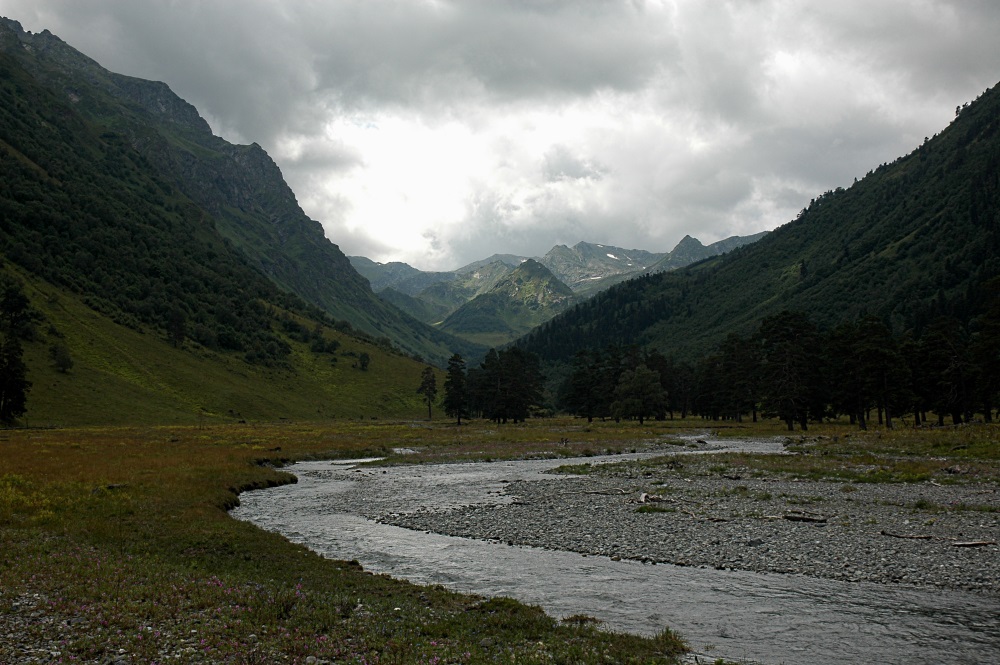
{"points": [[914, 534]]}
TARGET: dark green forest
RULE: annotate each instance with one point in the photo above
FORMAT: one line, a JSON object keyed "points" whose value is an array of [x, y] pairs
{"points": [[791, 369], [507, 386]]}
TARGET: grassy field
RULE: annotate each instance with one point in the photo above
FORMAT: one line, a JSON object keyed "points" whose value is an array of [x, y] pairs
{"points": [[124, 531]]}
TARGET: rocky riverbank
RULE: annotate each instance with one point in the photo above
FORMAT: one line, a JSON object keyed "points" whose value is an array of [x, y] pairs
{"points": [[687, 514]]}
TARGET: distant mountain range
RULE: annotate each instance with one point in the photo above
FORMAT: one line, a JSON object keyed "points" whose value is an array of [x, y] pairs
{"points": [[477, 302]]}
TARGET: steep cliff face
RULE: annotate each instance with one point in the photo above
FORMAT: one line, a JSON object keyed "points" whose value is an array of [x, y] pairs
{"points": [[239, 187]]}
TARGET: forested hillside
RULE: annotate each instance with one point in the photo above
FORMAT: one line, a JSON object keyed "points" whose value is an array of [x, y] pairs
{"points": [[518, 302], [910, 242], [141, 310], [83, 210], [235, 194]]}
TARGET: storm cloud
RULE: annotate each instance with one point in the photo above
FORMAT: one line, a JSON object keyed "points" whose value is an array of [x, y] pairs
{"points": [[438, 132]]}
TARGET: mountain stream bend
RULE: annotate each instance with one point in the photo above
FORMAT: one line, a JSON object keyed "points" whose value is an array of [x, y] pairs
{"points": [[732, 614]]}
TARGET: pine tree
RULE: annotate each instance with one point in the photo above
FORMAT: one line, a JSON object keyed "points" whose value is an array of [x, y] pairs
{"points": [[791, 374], [428, 388], [639, 395], [456, 398], [580, 393], [16, 323]]}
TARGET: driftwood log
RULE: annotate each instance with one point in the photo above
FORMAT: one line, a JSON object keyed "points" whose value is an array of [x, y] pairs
{"points": [[804, 516]]}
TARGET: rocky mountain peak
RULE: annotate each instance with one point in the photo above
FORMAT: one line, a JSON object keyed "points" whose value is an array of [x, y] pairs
{"points": [[687, 244]]}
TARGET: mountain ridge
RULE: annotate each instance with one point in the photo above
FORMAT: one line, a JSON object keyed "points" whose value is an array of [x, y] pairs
{"points": [[586, 268]]}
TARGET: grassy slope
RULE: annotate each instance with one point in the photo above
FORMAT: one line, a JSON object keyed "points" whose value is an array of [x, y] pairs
{"points": [[123, 376]]}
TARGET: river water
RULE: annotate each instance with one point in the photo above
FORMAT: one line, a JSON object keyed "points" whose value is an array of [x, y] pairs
{"points": [[738, 615]]}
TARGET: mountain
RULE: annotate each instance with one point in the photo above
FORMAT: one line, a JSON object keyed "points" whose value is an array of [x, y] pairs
{"points": [[584, 263], [586, 268], [237, 192], [912, 241], [521, 300], [690, 250], [422, 309], [383, 275], [509, 260], [449, 296], [405, 278]]}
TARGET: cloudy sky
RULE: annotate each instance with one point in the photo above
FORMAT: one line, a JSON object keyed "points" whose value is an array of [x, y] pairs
{"points": [[438, 132]]}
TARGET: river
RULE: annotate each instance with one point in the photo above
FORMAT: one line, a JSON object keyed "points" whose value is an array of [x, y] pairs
{"points": [[738, 615]]}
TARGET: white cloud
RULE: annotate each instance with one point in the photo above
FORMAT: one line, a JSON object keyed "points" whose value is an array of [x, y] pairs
{"points": [[439, 132]]}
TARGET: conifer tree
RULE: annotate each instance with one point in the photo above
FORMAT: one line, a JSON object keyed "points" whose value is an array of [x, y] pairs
{"points": [[456, 398], [428, 388], [639, 395], [16, 323]]}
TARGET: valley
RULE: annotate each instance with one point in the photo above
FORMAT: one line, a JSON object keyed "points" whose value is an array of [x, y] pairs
{"points": [[792, 416]]}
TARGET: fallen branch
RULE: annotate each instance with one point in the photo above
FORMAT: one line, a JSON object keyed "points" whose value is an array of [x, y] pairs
{"points": [[974, 543], [659, 498], [903, 535]]}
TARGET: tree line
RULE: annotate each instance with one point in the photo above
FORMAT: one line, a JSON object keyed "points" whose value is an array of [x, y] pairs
{"points": [[792, 370], [788, 369], [506, 387]]}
